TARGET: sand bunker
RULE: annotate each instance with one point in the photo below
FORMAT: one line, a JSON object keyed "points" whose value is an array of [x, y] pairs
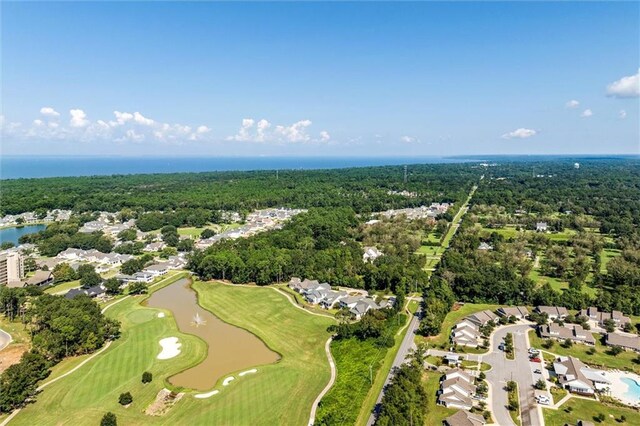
{"points": [[170, 348], [160, 314], [165, 399], [228, 380], [207, 395], [253, 370]]}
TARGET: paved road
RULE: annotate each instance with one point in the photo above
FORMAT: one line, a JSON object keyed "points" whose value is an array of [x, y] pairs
{"points": [[519, 370], [406, 346], [5, 339]]}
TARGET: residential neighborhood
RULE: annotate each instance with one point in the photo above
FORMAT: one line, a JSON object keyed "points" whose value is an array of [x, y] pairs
{"points": [[356, 302]]}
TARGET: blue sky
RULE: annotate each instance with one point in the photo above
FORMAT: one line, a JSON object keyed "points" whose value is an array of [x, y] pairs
{"points": [[370, 79]]}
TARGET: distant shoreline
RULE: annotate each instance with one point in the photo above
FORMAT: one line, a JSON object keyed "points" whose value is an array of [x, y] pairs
{"points": [[27, 167]]}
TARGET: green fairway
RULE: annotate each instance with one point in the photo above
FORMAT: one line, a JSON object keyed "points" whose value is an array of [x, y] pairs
{"points": [[280, 393], [605, 256], [583, 409]]}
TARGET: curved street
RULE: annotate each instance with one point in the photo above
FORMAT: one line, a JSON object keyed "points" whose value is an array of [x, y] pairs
{"points": [[519, 370]]}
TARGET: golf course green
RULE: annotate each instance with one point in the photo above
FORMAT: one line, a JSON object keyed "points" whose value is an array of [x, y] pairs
{"points": [[278, 393]]}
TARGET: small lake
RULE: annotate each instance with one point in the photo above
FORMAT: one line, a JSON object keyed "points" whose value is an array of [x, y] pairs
{"points": [[231, 348], [13, 234]]}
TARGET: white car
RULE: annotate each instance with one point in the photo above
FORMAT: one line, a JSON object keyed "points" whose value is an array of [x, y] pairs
{"points": [[543, 400], [533, 351]]}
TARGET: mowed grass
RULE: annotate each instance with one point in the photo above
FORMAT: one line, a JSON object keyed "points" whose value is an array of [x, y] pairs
{"points": [[605, 256], [280, 393], [84, 396], [623, 361], [583, 409], [556, 283], [62, 287]]}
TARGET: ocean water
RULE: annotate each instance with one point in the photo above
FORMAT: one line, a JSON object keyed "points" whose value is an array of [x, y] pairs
{"points": [[39, 167]]}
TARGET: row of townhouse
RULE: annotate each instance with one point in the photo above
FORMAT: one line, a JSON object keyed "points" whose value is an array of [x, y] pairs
{"points": [[321, 294], [154, 271], [257, 221], [467, 331], [421, 212], [31, 217], [457, 389], [111, 259], [107, 226], [574, 332]]}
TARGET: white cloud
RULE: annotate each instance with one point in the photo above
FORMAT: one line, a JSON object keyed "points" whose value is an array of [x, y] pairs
{"points": [[49, 112], [127, 127], [297, 132], [623, 114], [586, 113], [408, 139], [264, 131], [520, 133], [78, 118], [626, 87], [141, 119], [572, 104]]}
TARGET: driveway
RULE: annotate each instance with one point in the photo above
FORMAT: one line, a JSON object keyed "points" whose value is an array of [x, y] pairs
{"points": [[519, 370]]}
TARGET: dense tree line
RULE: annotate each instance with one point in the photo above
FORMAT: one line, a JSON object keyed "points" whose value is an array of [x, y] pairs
{"points": [[604, 195], [362, 189], [405, 399], [60, 236], [320, 244], [606, 189], [59, 327]]}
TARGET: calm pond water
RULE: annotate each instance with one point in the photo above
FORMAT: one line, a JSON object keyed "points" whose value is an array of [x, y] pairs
{"points": [[13, 234], [231, 348]]}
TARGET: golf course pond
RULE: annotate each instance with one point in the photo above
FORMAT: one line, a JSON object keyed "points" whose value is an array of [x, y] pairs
{"points": [[231, 348]]}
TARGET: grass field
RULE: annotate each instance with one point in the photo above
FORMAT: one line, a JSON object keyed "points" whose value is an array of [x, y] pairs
{"points": [[195, 232], [357, 363], [452, 318], [556, 283], [583, 409], [280, 393], [623, 361], [605, 256], [379, 379], [63, 287]]}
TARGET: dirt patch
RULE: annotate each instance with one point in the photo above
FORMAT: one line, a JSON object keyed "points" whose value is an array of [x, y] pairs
{"points": [[163, 402], [11, 355], [456, 306]]}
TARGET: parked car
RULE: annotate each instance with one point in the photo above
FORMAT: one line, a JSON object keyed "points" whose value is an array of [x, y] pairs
{"points": [[535, 359], [543, 400], [537, 371]]}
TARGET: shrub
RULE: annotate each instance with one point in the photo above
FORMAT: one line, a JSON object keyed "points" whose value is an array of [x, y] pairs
{"points": [[109, 419], [125, 398]]}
